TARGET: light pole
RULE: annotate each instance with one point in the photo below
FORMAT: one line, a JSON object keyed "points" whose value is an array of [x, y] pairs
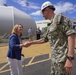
{"points": [[27, 4]]}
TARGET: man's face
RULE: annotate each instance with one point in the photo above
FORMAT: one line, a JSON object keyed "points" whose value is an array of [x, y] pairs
{"points": [[45, 13]]}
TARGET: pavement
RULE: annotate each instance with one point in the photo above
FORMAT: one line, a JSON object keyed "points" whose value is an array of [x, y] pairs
{"points": [[38, 65]]}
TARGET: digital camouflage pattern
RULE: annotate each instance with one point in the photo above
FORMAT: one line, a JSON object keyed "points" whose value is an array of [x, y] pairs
{"points": [[57, 33]]}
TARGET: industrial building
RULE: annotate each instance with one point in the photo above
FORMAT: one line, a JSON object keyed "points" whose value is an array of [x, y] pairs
{"points": [[43, 23], [9, 16]]}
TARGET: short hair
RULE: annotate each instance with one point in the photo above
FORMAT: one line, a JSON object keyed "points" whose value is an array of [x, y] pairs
{"points": [[15, 28]]}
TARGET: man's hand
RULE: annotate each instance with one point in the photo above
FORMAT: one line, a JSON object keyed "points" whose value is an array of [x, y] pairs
{"points": [[68, 66]]}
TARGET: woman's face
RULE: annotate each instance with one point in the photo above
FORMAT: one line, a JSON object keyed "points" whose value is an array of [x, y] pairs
{"points": [[20, 29]]}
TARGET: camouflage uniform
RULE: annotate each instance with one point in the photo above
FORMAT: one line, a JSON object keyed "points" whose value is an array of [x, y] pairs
{"points": [[57, 32]]}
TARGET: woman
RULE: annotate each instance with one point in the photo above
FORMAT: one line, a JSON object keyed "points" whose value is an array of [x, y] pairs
{"points": [[14, 50]]}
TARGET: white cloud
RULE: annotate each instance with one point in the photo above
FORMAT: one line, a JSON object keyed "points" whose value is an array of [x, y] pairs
{"points": [[25, 3], [65, 7], [37, 13], [61, 8], [74, 18], [34, 7]]}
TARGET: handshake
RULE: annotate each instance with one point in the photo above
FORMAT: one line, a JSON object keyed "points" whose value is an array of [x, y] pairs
{"points": [[26, 44]]}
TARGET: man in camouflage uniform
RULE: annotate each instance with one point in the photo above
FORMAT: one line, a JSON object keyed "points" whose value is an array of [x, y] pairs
{"points": [[61, 36]]}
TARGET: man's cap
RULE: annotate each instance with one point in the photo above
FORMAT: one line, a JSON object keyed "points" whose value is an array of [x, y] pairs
{"points": [[46, 4]]}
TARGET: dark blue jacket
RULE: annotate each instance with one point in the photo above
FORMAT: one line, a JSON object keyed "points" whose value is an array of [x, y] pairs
{"points": [[14, 50]]}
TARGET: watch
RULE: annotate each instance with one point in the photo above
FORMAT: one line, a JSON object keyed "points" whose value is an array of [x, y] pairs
{"points": [[70, 58]]}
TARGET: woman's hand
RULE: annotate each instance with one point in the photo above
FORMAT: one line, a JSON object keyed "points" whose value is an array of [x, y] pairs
{"points": [[27, 44]]}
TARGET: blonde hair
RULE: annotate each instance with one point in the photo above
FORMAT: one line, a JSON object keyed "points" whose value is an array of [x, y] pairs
{"points": [[15, 28]]}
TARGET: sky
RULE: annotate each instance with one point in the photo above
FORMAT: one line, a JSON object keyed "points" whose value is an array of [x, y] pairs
{"points": [[67, 7]]}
